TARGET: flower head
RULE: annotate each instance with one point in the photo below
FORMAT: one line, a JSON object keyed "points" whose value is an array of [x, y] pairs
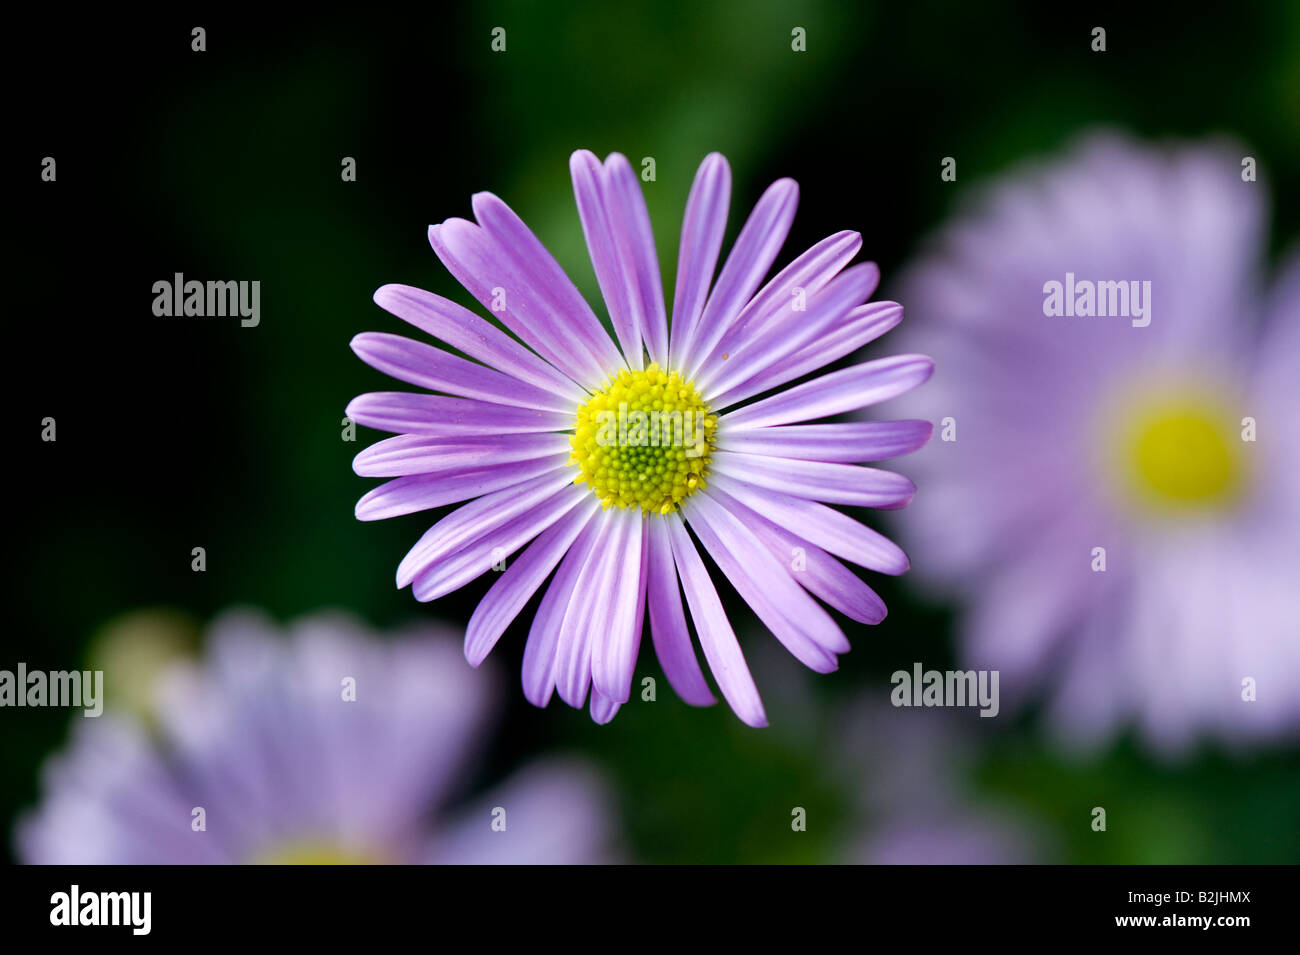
{"points": [[1117, 503], [326, 747], [602, 454]]}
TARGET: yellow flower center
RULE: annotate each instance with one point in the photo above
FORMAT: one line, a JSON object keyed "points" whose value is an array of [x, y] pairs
{"points": [[309, 852], [644, 440], [1182, 453]]}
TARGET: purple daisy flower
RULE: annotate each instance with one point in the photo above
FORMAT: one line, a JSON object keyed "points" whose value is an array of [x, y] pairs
{"points": [[1117, 503], [603, 454], [260, 755]]}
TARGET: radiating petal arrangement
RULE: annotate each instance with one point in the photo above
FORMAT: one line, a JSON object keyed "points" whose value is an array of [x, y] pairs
{"points": [[605, 462], [325, 746], [1116, 506]]}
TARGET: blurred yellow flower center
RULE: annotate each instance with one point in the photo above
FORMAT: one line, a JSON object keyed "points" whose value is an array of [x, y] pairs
{"points": [[644, 440], [316, 853], [1182, 454]]}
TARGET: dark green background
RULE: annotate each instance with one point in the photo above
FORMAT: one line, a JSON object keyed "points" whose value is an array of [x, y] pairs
{"points": [[225, 164]]}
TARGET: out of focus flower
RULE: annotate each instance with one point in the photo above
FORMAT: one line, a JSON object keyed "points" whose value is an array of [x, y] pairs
{"points": [[327, 746], [915, 804], [1114, 496], [603, 454]]}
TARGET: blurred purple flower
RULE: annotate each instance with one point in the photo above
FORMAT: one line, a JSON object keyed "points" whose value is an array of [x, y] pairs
{"points": [[527, 437], [261, 739], [1122, 432], [963, 838], [914, 807]]}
